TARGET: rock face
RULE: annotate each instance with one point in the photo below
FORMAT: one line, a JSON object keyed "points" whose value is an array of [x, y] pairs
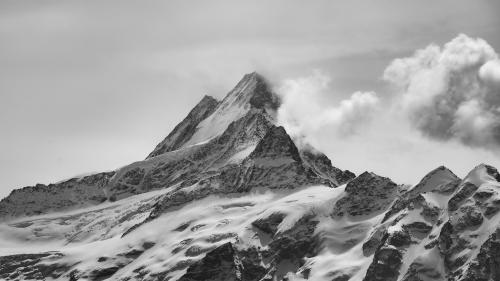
{"points": [[39, 199], [368, 194], [228, 195], [218, 264], [441, 228]]}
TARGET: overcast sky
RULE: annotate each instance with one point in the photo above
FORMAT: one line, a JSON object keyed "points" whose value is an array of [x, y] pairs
{"points": [[89, 86]]}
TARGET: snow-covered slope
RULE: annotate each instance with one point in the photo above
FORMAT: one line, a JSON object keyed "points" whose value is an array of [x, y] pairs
{"points": [[227, 195]]}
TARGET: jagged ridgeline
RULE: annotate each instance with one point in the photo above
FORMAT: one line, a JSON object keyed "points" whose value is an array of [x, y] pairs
{"points": [[228, 195]]}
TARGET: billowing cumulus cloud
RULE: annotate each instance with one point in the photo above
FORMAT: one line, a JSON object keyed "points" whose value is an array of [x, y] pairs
{"points": [[490, 73], [451, 92], [303, 112]]}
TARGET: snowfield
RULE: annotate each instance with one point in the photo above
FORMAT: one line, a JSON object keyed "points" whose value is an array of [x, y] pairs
{"points": [[90, 234]]}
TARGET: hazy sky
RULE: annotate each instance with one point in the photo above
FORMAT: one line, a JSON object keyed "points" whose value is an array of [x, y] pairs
{"points": [[88, 86]]}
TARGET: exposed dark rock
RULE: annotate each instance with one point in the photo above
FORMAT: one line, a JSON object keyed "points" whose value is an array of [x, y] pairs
{"points": [[387, 259], [32, 266], [399, 239], [196, 227], [134, 176], [342, 277], [182, 245], [182, 227], [466, 191], [485, 266], [293, 245], [103, 273], [270, 224], [368, 194], [421, 272], [468, 217], [491, 210], [263, 97], [483, 195], [374, 241], [451, 244], [385, 265], [448, 183], [196, 250], [431, 244], [418, 229], [322, 165], [224, 263], [276, 143], [66, 195], [493, 172], [213, 238]]}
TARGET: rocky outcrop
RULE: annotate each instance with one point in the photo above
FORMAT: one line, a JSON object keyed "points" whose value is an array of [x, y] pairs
{"points": [[225, 263], [468, 209], [32, 266], [484, 266], [439, 181], [322, 165], [366, 195], [69, 194]]}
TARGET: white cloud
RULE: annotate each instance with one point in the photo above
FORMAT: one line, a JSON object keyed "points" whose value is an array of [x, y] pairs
{"points": [[451, 92], [303, 112], [490, 73]]}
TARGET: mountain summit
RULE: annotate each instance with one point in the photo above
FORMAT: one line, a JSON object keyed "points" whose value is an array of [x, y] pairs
{"points": [[211, 146], [227, 195], [210, 117]]}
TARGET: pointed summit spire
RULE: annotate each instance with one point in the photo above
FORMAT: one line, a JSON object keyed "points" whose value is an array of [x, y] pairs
{"points": [[439, 179], [252, 89], [251, 93]]}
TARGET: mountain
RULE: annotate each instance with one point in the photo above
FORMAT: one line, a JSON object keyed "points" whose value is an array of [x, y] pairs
{"points": [[228, 195]]}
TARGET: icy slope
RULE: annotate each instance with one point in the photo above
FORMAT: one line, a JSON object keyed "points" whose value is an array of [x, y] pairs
{"points": [[89, 242]]}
